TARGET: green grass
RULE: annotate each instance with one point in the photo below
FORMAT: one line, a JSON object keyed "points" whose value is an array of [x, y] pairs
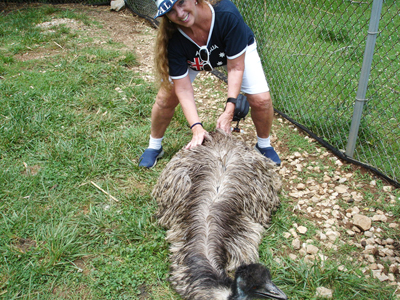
{"points": [[78, 120]]}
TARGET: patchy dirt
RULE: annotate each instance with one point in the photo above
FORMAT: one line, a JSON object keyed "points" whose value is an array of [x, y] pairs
{"points": [[24, 245], [322, 189]]}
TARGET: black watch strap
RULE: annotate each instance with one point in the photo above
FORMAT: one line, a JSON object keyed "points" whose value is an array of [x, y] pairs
{"points": [[232, 100]]}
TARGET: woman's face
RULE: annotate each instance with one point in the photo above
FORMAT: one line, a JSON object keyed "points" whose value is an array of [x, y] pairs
{"points": [[183, 13]]}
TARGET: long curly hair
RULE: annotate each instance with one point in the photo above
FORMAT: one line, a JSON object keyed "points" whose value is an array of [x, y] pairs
{"points": [[165, 32]]}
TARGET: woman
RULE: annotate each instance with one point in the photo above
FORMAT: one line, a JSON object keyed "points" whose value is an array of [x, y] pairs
{"points": [[194, 36]]}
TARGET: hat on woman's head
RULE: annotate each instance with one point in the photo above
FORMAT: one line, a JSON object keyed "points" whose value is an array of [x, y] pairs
{"points": [[164, 6]]}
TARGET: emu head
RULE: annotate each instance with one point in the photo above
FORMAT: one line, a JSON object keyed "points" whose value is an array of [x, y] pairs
{"points": [[254, 282]]}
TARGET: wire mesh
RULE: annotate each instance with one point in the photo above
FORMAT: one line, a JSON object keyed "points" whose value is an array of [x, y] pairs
{"points": [[312, 53], [143, 7]]}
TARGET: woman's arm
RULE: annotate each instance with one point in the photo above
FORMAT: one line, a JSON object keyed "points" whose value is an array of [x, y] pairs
{"points": [[184, 91], [235, 75]]}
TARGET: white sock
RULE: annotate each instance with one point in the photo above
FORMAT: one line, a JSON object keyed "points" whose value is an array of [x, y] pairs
{"points": [[155, 143], [263, 143]]}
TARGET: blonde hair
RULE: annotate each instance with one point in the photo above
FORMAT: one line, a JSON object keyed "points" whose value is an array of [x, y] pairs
{"points": [[165, 31]]}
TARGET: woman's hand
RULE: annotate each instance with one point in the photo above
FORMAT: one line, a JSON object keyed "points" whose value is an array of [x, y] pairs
{"points": [[224, 120], [199, 133]]}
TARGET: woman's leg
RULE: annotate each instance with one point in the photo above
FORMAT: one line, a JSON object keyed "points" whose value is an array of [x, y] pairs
{"points": [[161, 115], [255, 86], [262, 113], [162, 112]]}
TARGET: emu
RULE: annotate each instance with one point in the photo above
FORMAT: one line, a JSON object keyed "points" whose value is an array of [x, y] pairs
{"points": [[215, 201]]}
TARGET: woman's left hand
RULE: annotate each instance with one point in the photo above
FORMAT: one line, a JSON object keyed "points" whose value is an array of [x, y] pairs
{"points": [[224, 121]]}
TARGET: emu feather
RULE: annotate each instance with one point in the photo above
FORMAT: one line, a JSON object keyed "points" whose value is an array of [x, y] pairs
{"points": [[215, 201]]}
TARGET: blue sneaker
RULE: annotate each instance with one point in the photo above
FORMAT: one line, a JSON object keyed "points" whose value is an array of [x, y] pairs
{"points": [[149, 157], [270, 153]]}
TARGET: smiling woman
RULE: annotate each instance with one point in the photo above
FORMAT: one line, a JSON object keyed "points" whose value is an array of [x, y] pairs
{"points": [[194, 36]]}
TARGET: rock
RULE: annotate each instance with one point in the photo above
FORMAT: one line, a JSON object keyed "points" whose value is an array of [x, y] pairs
{"points": [[302, 229], [278, 260], [379, 275], [341, 189], [309, 258], [301, 186], [293, 232], [295, 195], [386, 252], [302, 252], [311, 249], [387, 188], [117, 4], [373, 266], [370, 249], [338, 163], [362, 222], [332, 235], [357, 196], [342, 268], [297, 154], [296, 244], [391, 277], [394, 269], [368, 234], [323, 292], [389, 241], [370, 241], [379, 218]]}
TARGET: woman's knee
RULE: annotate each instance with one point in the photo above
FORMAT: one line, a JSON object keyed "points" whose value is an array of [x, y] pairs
{"points": [[166, 100], [260, 101]]}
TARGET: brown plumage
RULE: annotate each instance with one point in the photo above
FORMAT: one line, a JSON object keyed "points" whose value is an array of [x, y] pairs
{"points": [[215, 201]]}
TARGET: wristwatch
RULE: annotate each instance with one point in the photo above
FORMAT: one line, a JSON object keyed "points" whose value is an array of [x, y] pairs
{"points": [[232, 100]]}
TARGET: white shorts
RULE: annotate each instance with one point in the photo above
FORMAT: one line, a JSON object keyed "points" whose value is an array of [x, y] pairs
{"points": [[254, 81]]}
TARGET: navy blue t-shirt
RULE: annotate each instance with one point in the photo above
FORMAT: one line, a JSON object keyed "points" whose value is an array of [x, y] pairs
{"points": [[228, 38]]}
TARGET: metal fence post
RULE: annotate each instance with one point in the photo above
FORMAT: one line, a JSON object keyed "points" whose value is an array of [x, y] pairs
{"points": [[365, 72]]}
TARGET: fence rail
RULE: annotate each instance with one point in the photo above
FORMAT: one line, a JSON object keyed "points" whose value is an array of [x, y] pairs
{"points": [[313, 53]]}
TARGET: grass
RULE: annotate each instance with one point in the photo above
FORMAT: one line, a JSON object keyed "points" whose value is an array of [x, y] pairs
{"points": [[313, 51], [72, 126]]}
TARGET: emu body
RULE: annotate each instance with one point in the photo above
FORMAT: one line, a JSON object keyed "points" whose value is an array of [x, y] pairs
{"points": [[215, 201]]}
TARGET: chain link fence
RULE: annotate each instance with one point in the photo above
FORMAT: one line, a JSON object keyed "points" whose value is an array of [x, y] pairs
{"points": [[315, 56]]}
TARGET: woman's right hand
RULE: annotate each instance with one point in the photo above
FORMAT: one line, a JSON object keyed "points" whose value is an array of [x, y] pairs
{"points": [[199, 134]]}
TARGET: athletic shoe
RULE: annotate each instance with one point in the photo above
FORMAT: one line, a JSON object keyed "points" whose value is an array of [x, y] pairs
{"points": [[149, 157], [270, 153]]}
